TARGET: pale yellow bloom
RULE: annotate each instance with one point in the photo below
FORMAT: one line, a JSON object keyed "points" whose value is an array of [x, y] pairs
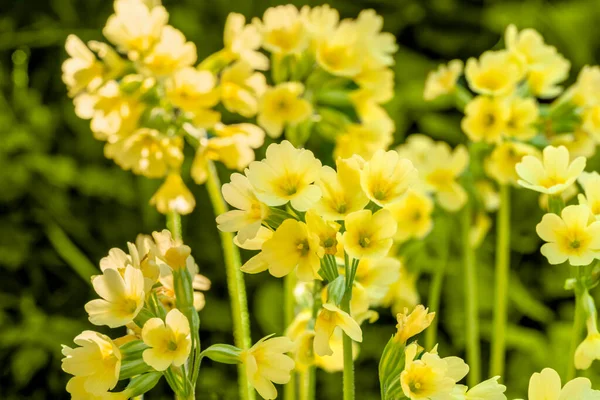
{"points": [[147, 152], [496, 73], [376, 85], [166, 293], [500, 164], [379, 47], [591, 121], [580, 143], [76, 388], [241, 88], [326, 231], [173, 252], [303, 339], [329, 318], [588, 351], [283, 30], [171, 53], [377, 277], [443, 80], [546, 385], [403, 292], [293, 247], [134, 28], [97, 361], [122, 297], [413, 215], [286, 174], [486, 390], [173, 196], [369, 235], [250, 213], [590, 181], [341, 190], [386, 177], [522, 116], [335, 361], [363, 139], [195, 92], [244, 41], [479, 229], [586, 91], [169, 340], [266, 362], [321, 21], [282, 105], [340, 53], [574, 236], [82, 71], [412, 324], [485, 119], [553, 174]]}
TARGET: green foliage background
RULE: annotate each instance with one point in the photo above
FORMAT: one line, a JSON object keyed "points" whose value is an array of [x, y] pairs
{"points": [[63, 205]]}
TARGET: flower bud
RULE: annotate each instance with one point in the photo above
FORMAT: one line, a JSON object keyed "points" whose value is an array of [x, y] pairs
{"points": [[412, 324]]}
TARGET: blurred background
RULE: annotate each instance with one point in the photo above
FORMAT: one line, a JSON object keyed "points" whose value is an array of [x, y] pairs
{"points": [[63, 205]]}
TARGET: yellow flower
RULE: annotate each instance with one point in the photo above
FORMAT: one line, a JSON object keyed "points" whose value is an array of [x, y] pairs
{"points": [[378, 47], [369, 235], [173, 252], [134, 28], [147, 152], [247, 219], [173, 196], [286, 174], [486, 390], [282, 105], [586, 91], [403, 292], [326, 231], [321, 21], [171, 53], [376, 85], [590, 181], [195, 92], [244, 41], [443, 80], [430, 377], [580, 143], [496, 73], [386, 177], [76, 388], [122, 297], [82, 71], [293, 247], [283, 30], [166, 293], [413, 216], [574, 236], [553, 174], [266, 362], [500, 164], [363, 139], [169, 340], [546, 385], [591, 121], [97, 361], [412, 324], [485, 119], [588, 351], [377, 277], [522, 116], [342, 193], [479, 229], [241, 87], [329, 318], [339, 53]]}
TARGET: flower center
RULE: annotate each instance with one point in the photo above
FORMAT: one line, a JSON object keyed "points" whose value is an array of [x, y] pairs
{"points": [[172, 346], [303, 247], [364, 241]]}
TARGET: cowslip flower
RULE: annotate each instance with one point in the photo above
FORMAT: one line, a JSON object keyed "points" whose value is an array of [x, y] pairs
{"points": [[363, 139], [169, 340], [173, 196], [329, 318], [377, 277], [546, 385], [293, 247], [443, 80], [341, 190], [386, 177], [194, 92], [412, 324], [82, 70], [588, 350], [485, 119], [489, 390], [574, 236], [590, 181], [584, 92], [282, 105], [522, 116], [97, 360], [283, 30], [413, 216], [243, 42], [378, 47], [241, 88], [172, 52], [286, 174], [403, 292], [369, 235], [122, 297], [320, 21], [267, 362], [553, 174], [496, 73], [326, 231], [76, 388], [580, 143], [500, 164], [340, 53]]}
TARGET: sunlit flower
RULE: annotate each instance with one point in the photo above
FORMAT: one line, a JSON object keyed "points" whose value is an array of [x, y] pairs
{"points": [[173, 196], [286, 174], [590, 181], [340, 53], [379, 47], [134, 28], [329, 318], [293, 247], [173, 252], [553, 174], [546, 385], [574, 236], [376, 277], [485, 119], [122, 297], [500, 164], [266, 363], [496, 73], [326, 231], [412, 324], [386, 177], [140, 257], [167, 296], [241, 88], [486, 390], [76, 388], [82, 70], [586, 91], [282, 105], [362, 139], [283, 30], [320, 21], [195, 92], [171, 53], [97, 360], [169, 340], [413, 215], [443, 80], [243, 42], [588, 351], [522, 116], [369, 235], [376, 85], [403, 292]]}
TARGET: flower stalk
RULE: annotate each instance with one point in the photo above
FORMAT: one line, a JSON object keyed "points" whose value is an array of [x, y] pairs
{"points": [[437, 283], [289, 284]]}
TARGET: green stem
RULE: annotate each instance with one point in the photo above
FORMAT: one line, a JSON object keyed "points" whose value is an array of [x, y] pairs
{"points": [[70, 252], [471, 300], [578, 322], [435, 289], [346, 341], [289, 285], [235, 282], [174, 225], [502, 276]]}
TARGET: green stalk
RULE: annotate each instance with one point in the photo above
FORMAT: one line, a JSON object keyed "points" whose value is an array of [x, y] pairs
{"points": [[235, 282], [70, 252], [347, 342], [471, 300], [435, 289], [289, 285], [578, 321], [502, 276]]}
